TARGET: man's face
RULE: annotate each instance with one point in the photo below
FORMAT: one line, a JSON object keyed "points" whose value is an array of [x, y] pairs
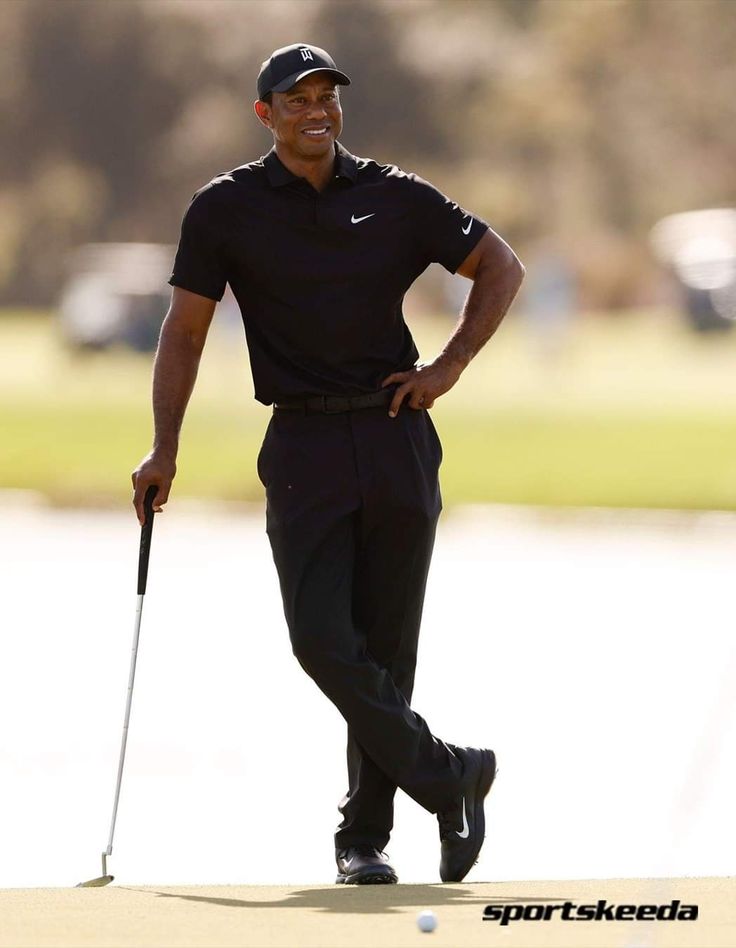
{"points": [[307, 118]]}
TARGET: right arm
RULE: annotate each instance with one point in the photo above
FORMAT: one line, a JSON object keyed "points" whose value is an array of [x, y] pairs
{"points": [[180, 346]]}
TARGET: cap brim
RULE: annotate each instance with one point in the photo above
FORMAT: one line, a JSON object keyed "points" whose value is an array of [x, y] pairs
{"points": [[340, 78]]}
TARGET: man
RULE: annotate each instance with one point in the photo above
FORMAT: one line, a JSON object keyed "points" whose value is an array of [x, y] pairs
{"points": [[319, 248]]}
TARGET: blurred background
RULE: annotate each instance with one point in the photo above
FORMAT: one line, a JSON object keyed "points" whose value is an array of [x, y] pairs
{"points": [[574, 128], [599, 138]]}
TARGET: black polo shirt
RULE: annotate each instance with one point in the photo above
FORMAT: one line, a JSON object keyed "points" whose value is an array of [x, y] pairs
{"points": [[320, 276]]}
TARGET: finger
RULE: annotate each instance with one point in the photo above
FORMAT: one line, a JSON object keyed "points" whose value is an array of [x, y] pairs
{"points": [[395, 377], [140, 492], [398, 398], [417, 399], [428, 403], [162, 495]]}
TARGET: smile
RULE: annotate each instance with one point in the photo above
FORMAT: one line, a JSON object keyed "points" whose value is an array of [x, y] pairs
{"points": [[316, 132]]}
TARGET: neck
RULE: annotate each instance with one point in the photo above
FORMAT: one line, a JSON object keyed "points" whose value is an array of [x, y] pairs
{"points": [[317, 171]]}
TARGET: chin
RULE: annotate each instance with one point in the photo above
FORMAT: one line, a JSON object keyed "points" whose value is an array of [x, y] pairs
{"points": [[319, 148]]}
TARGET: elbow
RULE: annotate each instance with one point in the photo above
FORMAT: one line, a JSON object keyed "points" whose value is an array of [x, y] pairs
{"points": [[514, 272], [185, 338], [517, 271], [504, 268]]}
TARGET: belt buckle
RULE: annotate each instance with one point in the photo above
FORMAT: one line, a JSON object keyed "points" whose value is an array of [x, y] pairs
{"points": [[331, 411]]}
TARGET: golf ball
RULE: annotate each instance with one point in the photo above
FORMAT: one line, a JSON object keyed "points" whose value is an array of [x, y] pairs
{"points": [[427, 921]]}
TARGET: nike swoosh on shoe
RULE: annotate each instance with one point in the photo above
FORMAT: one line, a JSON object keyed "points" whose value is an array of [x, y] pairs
{"points": [[461, 848]]}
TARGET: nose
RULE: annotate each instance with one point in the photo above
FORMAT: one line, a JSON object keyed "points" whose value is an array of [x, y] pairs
{"points": [[317, 110]]}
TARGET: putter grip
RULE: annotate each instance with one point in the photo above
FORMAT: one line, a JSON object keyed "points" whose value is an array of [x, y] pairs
{"points": [[146, 533]]}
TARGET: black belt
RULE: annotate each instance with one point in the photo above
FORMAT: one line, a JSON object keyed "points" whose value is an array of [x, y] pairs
{"points": [[334, 404]]}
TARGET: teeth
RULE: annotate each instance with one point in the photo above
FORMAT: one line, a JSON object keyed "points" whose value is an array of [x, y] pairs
{"points": [[315, 131]]}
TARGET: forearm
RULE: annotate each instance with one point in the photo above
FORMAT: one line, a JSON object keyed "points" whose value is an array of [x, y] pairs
{"points": [[174, 374], [491, 294], [496, 273]]}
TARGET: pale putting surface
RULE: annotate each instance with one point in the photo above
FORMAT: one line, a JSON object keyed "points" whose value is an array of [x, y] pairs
{"points": [[355, 916], [594, 651]]}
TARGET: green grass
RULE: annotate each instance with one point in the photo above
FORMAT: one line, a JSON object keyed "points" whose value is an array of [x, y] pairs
{"points": [[635, 412], [655, 461]]}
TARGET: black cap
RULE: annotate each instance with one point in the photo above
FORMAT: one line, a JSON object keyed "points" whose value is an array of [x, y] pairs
{"points": [[286, 66]]}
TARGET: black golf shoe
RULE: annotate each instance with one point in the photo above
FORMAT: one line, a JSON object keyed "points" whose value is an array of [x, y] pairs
{"points": [[363, 865], [462, 828]]}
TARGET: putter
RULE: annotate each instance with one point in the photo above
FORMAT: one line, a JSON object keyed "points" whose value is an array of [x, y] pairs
{"points": [[145, 549]]}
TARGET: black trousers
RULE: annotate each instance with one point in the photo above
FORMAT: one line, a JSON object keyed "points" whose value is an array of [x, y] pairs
{"points": [[352, 502]]}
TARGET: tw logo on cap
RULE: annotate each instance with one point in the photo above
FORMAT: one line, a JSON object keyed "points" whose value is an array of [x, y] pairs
{"points": [[306, 54]]}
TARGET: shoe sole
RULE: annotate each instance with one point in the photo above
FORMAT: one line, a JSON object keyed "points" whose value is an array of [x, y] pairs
{"points": [[485, 782], [370, 877]]}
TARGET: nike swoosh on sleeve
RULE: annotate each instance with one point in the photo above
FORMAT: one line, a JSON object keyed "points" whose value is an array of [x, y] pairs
{"points": [[466, 230]]}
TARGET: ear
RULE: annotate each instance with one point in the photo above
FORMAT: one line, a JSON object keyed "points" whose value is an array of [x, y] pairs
{"points": [[263, 111]]}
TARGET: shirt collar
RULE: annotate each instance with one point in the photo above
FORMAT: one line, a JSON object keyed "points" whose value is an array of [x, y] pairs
{"points": [[346, 166]]}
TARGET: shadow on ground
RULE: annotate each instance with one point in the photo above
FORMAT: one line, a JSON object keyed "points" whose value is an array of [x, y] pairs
{"points": [[358, 899]]}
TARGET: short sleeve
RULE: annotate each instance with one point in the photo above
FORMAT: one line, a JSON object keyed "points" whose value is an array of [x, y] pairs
{"points": [[199, 265], [447, 232]]}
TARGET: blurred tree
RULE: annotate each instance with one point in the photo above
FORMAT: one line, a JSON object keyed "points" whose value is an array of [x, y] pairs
{"points": [[390, 112], [92, 103], [582, 120], [602, 117]]}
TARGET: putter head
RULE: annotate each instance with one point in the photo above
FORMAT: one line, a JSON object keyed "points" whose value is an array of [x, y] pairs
{"points": [[104, 879], [95, 883]]}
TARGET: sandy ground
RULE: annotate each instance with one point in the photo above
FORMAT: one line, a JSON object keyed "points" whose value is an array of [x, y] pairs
{"points": [[594, 651], [383, 916]]}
